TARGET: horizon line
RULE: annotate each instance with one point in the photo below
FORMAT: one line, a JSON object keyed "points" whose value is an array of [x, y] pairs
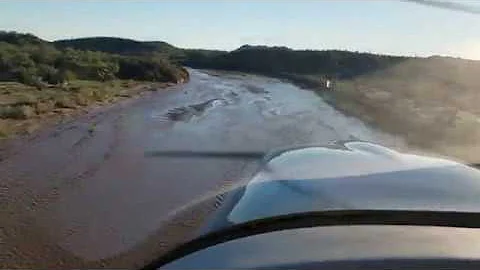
{"points": [[253, 45]]}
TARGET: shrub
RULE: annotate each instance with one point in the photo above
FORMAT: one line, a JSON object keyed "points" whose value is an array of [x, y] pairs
{"points": [[44, 107], [49, 74], [82, 100], [101, 94], [64, 102], [16, 112], [31, 61]]}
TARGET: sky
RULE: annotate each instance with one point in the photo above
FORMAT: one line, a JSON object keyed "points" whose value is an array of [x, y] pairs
{"points": [[378, 26]]}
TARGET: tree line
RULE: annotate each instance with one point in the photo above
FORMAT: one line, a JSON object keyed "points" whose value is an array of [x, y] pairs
{"points": [[33, 61], [28, 59], [285, 62], [275, 61]]}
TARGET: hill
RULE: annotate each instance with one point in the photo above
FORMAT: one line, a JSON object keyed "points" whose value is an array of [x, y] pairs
{"points": [[31, 60], [116, 45], [273, 61], [283, 62], [131, 47], [20, 39], [40, 81]]}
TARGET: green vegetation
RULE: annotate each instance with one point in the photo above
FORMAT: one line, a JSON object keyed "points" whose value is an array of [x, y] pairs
{"points": [[128, 47], [284, 62], [39, 79], [27, 59], [113, 45], [24, 108], [273, 61]]}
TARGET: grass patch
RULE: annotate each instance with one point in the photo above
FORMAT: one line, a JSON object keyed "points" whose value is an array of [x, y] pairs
{"points": [[19, 102], [79, 93], [65, 101], [44, 106]]}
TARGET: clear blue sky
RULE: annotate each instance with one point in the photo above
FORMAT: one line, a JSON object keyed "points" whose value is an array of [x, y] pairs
{"points": [[393, 27]]}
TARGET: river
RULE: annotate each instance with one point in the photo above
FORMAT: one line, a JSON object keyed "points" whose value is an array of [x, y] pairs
{"points": [[91, 192]]}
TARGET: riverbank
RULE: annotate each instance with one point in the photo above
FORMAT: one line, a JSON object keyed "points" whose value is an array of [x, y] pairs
{"points": [[25, 109], [432, 103]]}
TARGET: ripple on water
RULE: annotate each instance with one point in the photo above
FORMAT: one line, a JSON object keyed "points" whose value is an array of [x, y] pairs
{"points": [[186, 113]]}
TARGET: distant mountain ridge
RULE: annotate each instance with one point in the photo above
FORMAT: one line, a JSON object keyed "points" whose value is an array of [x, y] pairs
{"points": [[115, 45], [278, 61], [268, 60]]}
